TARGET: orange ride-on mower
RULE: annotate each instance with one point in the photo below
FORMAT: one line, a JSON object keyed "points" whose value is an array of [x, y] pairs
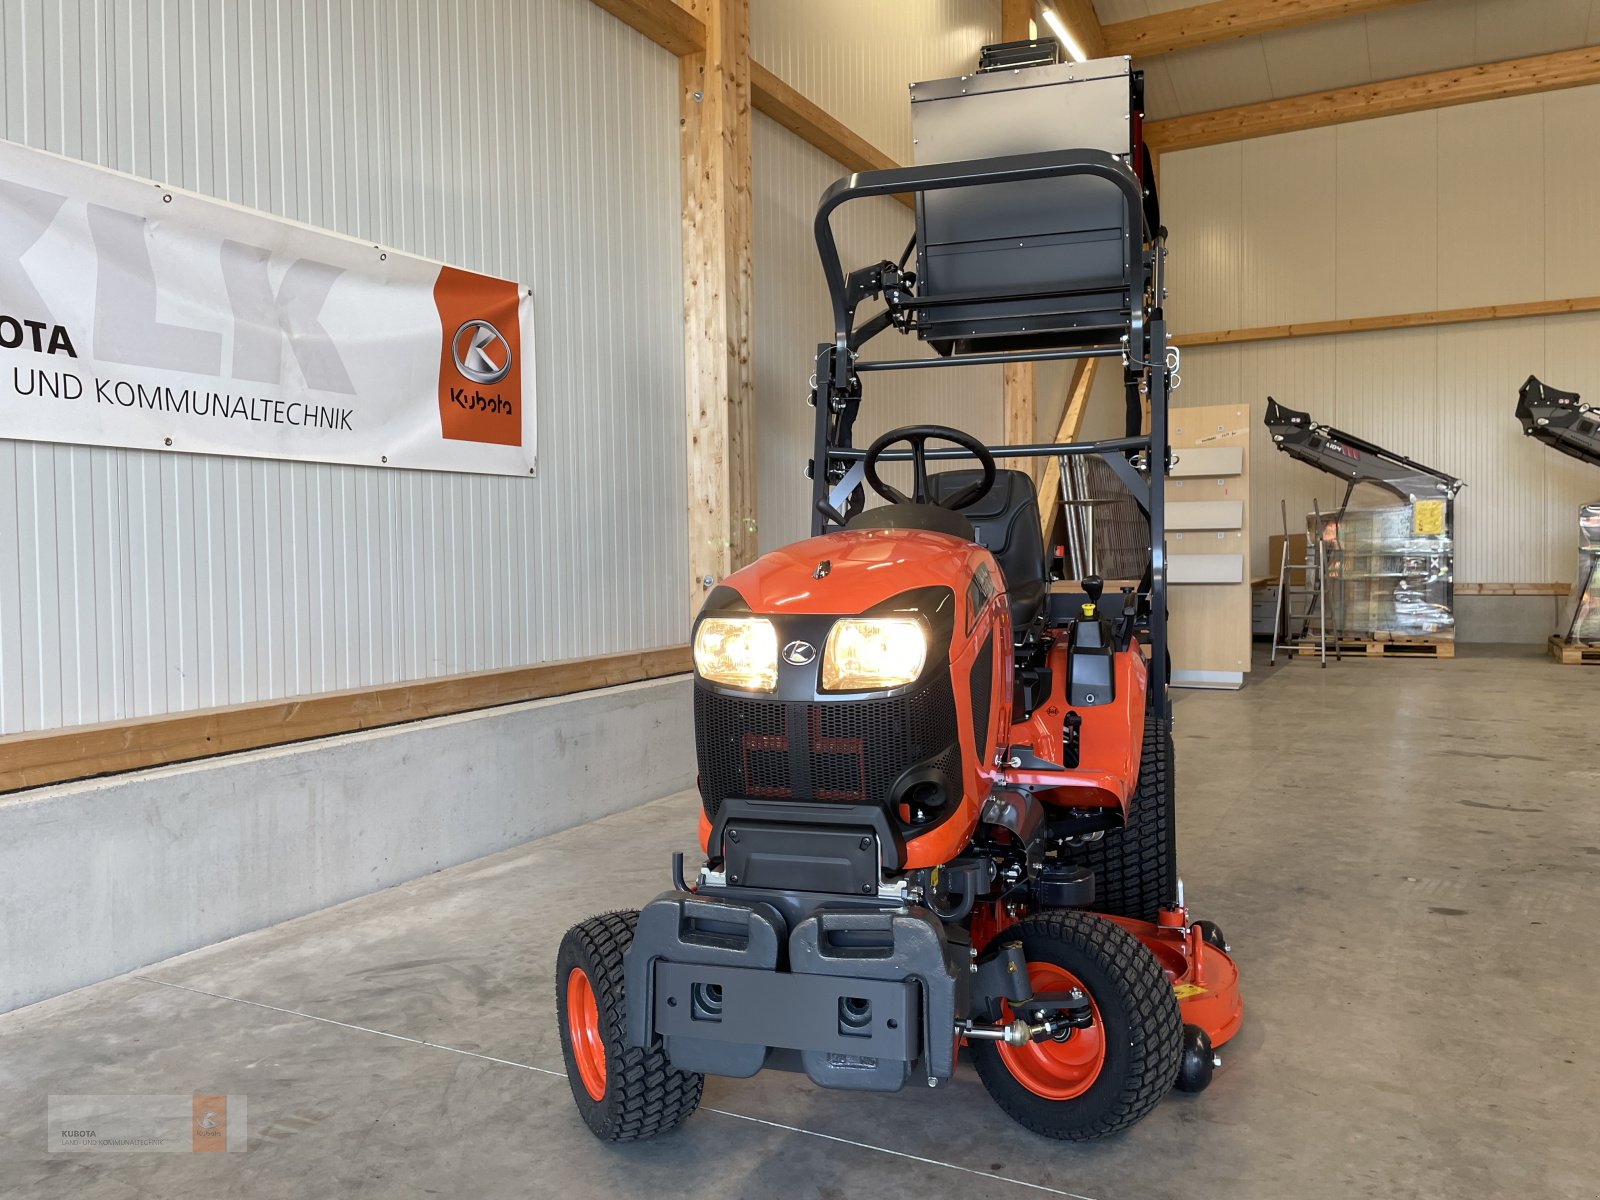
{"points": [[938, 792]]}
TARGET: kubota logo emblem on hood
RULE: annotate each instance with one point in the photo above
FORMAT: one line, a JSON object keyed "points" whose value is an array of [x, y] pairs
{"points": [[799, 653]]}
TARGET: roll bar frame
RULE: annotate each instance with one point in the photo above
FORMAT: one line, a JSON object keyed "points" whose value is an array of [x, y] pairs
{"points": [[1141, 461]]}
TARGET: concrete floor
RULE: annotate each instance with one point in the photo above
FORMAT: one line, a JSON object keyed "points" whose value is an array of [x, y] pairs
{"points": [[1401, 852]]}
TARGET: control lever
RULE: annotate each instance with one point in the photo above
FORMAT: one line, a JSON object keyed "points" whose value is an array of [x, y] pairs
{"points": [[1094, 587]]}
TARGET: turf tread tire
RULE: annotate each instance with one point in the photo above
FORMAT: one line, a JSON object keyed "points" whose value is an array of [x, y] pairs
{"points": [[644, 1095], [1143, 1029], [1136, 864]]}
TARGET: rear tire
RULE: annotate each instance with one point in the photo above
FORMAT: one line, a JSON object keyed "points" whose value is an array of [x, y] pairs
{"points": [[1136, 864], [624, 1093], [1112, 1074]]}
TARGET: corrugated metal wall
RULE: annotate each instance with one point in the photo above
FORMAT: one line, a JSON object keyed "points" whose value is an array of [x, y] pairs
{"points": [[533, 139], [856, 58], [862, 80], [1488, 203], [792, 315]]}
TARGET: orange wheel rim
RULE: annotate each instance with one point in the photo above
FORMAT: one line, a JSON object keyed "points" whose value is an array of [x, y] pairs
{"points": [[1051, 1069], [583, 1031]]}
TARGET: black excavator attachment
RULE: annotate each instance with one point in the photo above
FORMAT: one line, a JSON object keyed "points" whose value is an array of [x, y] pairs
{"points": [[1560, 420], [1563, 422], [1353, 459]]}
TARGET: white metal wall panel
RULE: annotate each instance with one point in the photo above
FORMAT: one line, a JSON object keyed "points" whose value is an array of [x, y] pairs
{"points": [[481, 133], [1479, 204], [1479, 371], [1482, 204], [855, 58], [792, 316], [1386, 241], [1571, 137], [1202, 200], [1491, 202], [1287, 264], [1220, 75], [1443, 396]]}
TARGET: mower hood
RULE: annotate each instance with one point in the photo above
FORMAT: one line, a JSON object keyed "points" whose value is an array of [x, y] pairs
{"points": [[854, 571]]}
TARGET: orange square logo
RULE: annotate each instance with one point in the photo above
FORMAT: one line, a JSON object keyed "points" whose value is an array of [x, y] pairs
{"points": [[209, 1124], [480, 369]]}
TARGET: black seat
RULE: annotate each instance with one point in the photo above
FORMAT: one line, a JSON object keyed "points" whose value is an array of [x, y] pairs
{"points": [[1006, 523], [932, 517]]}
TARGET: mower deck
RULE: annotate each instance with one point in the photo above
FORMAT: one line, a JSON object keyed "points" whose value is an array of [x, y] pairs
{"points": [[1204, 977]]}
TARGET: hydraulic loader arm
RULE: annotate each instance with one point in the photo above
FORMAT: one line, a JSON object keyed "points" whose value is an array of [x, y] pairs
{"points": [[1559, 420], [1350, 458]]}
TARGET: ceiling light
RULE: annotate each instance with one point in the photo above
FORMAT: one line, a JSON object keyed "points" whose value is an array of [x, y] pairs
{"points": [[1060, 31]]}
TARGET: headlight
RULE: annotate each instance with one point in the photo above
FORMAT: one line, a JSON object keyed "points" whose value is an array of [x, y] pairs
{"points": [[739, 652], [870, 653]]}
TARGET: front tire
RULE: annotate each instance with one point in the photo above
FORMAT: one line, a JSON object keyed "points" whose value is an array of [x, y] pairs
{"points": [[624, 1093], [1100, 1080]]}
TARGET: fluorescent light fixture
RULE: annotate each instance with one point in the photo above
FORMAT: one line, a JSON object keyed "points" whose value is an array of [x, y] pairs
{"points": [[1060, 30]]}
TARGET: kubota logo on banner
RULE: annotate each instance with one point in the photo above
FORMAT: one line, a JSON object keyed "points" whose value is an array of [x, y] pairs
{"points": [[137, 315], [480, 394]]}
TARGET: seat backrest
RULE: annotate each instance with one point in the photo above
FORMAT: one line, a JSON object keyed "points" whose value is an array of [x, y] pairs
{"points": [[1031, 263], [932, 517], [1006, 523]]}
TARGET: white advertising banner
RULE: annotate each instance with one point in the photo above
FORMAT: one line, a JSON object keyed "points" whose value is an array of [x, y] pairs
{"points": [[138, 315]]}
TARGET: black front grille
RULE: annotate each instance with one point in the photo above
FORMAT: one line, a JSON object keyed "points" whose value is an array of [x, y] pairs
{"points": [[838, 751]]}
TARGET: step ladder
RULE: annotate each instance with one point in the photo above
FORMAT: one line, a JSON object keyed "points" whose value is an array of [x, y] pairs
{"points": [[1306, 584]]}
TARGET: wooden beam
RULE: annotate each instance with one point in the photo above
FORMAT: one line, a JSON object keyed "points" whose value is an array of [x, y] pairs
{"points": [[1224, 20], [52, 756], [1441, 89], [814, 125], [1513, 589], [717, 295], [1016, 20], [811, 123], [1412, 320], [1080, 21], [681, 30], [671, 26], [1073, 406]]}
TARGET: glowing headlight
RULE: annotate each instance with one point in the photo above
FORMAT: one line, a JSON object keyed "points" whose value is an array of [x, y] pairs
{"points": [[739, 652], [869, 653]]}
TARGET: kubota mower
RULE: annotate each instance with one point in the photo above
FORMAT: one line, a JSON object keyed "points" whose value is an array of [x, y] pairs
{"points": [[938, 792]]}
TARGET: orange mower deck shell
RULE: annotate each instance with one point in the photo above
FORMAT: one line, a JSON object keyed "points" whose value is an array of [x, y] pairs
{"points": [[867, 568], [1204, 978]]}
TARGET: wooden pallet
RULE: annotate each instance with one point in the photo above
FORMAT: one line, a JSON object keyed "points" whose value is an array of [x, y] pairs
{"points": [[1383, 647], [1585, 653]]}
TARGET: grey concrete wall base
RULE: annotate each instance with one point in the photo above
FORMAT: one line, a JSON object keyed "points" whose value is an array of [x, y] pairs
{"points": [[1520, 620], [100, 877]]}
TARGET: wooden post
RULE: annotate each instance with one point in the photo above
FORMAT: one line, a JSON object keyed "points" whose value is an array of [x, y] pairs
{"points": [[1017, 384], [714, 110], [1073, 405]]}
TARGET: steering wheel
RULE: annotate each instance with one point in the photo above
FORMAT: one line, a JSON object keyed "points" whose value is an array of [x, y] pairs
{"points": [[918, 436]]}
